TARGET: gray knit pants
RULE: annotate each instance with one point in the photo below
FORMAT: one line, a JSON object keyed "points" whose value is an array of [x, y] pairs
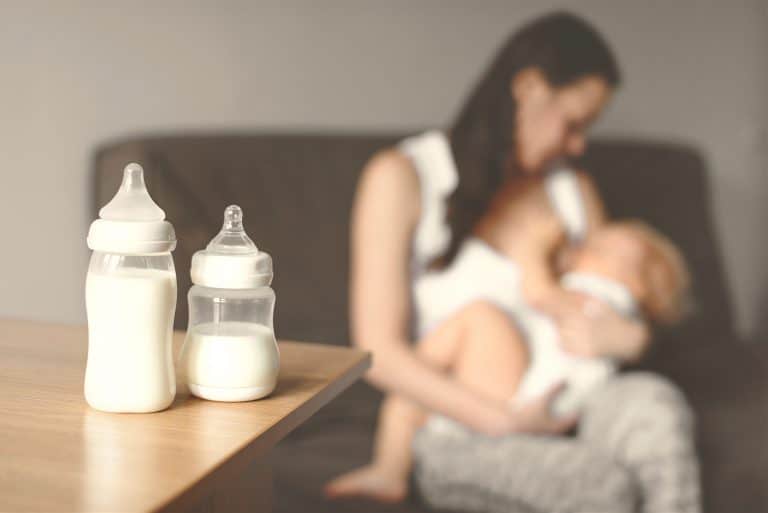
{"points": [[634, 452]]}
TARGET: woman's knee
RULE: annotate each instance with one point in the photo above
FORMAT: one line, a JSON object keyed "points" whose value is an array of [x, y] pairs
{"points": [[473, 473], [618, 493], [649, 393], [639, 414]]}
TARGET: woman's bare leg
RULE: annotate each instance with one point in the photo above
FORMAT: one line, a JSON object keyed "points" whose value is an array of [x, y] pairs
{"points": [[483, 349]]}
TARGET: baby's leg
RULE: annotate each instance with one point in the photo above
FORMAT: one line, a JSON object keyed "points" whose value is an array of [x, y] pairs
{"points": [[482, 348], [399, 418], [492, 355], [386, 478]]}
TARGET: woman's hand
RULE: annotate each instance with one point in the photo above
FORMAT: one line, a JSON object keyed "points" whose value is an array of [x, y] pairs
{"points": [[533, 417], [578, 320], [536, 416], [590, 328]]}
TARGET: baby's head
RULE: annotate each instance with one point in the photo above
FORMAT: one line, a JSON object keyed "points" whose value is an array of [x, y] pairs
{"points": [[645, 261]]}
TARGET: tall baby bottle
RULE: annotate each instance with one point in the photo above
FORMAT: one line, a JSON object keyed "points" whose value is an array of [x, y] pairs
{"points": [[230, 353], [130, 297]]}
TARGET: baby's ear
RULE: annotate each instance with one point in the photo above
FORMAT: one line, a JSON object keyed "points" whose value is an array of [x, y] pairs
{"points": [[669, 298]]}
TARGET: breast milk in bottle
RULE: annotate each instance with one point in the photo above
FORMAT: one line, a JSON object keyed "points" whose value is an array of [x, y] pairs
{"points": [[230, 352], [130, 297]]}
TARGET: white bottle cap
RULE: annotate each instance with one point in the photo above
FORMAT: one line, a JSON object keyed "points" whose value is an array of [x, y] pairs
{"points": [[231, 260], [131, 223]]}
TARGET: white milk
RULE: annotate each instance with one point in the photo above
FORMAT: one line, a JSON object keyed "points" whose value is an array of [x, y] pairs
{"points": [[130, 325], [231, 361]]}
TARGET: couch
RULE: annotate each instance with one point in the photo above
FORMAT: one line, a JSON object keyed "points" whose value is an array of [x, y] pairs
{"points": [[296, 191]]}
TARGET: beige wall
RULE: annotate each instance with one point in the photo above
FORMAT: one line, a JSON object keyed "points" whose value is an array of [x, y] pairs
{"points": [[76, 73]]}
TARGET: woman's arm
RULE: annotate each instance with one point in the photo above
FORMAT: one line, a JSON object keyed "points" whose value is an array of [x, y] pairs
{"points": [[384, 216], [590, 328]]}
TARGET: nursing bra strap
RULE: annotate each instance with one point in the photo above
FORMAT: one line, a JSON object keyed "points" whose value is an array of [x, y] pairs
{"points": [[562, 186]]}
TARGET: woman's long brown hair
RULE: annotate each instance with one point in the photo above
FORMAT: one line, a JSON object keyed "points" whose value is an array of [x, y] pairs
{"points": [[564, 48]]}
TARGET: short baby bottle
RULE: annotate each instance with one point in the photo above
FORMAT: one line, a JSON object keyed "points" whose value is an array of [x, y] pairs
{"points": [[230, 353], [130, 297]]}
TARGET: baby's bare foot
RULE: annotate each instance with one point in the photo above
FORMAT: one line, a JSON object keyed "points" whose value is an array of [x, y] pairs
{"points": [[371, 482]]}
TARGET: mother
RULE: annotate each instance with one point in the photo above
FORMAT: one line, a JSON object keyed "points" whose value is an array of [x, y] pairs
{"points": [[418, 203]]}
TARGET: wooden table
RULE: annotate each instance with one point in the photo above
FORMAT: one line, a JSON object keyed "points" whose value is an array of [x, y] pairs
{"points": [[57, 454]]}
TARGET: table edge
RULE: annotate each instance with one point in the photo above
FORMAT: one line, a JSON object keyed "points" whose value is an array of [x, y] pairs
{"points": [[258, 447]]}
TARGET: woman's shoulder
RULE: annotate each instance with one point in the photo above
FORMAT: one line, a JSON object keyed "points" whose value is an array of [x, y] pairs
{"points": [[585, 180], [587, 184], [413, 157], [391, 169], [390, 178], [417, 170], [432, 160]]}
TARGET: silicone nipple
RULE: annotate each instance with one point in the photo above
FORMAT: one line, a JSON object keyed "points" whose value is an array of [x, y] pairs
{"points": [[232, 238], [132, 201]]}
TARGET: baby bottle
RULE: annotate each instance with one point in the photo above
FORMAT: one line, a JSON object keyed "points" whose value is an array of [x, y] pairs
{"points": [[230, 352], [130, 296]]}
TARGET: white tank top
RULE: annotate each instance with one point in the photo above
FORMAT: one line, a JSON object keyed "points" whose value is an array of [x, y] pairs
{"points": [[478, 271]]}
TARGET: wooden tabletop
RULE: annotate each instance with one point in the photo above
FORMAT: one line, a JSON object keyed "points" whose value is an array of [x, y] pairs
{"points": [[57, 454]]}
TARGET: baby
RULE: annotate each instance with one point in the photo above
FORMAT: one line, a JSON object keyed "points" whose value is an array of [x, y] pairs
{"points": [[628, 267], [518, 356]]}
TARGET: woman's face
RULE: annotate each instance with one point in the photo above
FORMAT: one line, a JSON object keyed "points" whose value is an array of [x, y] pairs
{"points": [[552, 121]]}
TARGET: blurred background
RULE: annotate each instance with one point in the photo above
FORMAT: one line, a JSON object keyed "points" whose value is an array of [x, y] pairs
{"points": [[77, 73], [276, 106]]}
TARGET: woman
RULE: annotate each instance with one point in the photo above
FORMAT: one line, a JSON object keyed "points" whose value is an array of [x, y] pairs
{"points": [[416, 207]]}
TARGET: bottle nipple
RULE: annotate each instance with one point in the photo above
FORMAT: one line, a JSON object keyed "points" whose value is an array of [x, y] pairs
{"points": [[232, 238], [231, 260], [132, 201]]}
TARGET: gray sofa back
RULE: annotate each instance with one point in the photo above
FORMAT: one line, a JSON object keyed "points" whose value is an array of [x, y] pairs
{"points": [[296, 191]]}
